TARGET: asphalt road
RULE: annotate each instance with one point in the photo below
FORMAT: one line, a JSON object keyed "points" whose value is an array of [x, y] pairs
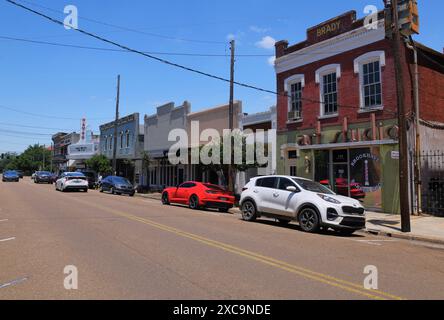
{"points": [[135, 248]]}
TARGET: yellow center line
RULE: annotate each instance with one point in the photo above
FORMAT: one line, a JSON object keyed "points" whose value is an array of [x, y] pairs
{"points": [[306, 273]]}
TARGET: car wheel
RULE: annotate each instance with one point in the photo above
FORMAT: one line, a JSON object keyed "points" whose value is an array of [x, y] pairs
{"points": [[86, 190], [165, 200], [249, 211], [225, 210], [113, 191], [194, 202], [101, 189], [132, 194], [309, 220]]}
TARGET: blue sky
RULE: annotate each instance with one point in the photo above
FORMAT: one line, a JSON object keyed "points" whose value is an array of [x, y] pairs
{"points": [[60, 82]]}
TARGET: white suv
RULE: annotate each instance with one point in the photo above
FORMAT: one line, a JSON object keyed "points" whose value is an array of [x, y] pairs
{"points": [[310, 203]]}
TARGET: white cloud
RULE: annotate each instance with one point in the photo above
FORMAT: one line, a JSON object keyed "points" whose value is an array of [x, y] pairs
{"points": [[258, 29], [271, 61], [266, 43]]}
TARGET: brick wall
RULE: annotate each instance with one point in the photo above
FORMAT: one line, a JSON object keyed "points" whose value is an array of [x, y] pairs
{"points": [[349, 90]]}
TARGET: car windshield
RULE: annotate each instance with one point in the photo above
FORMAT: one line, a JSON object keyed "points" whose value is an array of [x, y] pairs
{"points": [[44, 173], [121, 180], [10, 172], [313, 186], [75, 174]]}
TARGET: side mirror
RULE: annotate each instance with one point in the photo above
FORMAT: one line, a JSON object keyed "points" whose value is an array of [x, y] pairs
{"points": [[291, 188]]}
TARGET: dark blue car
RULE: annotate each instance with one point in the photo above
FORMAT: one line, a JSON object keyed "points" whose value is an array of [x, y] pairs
{"points": [[10, 176], [43, 177], [117, 185]]}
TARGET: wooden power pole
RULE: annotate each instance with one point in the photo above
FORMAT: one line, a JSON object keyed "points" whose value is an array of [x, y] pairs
{"points": [[402, 123], [231, 186], [115, 127]]}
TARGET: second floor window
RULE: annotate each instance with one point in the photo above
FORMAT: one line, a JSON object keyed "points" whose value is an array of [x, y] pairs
{"points": [[296, 100], [127, 139], [371, 73], [329, 94]]}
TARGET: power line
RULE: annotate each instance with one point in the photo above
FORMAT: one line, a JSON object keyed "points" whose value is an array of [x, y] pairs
{"points": [[133, 30], [169, 62], [45, 116], [33, 127], [58, 44], [26, 133]]}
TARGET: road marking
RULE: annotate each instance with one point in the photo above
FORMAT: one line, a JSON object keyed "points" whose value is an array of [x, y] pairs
{"points": [[12, 283], [8, 239], [303, 272], [374, 242]]}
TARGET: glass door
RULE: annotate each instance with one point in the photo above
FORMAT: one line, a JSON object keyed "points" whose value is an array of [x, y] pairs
{"points": [[340, 172]]}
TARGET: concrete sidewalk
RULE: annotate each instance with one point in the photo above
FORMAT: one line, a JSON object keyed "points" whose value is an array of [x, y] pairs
{"points": [[424, 228]]}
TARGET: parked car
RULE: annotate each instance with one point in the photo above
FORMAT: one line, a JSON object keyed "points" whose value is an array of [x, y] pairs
{"points": [[356, 191], [91, 176], [197, 195], [43, 177], [10, 176], [72, 181], [20, 173], [117, 185], [310, 203], [54, 177]]}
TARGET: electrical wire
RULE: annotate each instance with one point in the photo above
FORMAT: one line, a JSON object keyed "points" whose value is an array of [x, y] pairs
{"points": [[167, 62], [33, 127], [45, 116], [133, 30], [58, 44]]}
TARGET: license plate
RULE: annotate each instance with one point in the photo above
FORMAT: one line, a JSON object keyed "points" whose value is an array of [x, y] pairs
{"points": [[224, 199]]}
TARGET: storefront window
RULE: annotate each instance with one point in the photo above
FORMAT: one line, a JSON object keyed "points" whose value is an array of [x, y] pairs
{"points": [[365, 174]]}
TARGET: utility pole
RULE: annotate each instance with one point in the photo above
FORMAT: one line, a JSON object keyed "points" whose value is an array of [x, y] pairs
{"points": [[230, 120], [402, 123], [115, 127]]}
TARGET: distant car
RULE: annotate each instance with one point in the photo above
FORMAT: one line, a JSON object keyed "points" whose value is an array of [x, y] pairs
{"points": [[72, 181], [10, 176], [20, 173], [117, 185], [54, 178], [43, 177], [356, 191], [91, 176], [199, 195], [310, 203]]}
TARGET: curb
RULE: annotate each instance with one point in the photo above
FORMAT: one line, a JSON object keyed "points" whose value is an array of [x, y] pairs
{"points": [[147, 197], [406, 236]]}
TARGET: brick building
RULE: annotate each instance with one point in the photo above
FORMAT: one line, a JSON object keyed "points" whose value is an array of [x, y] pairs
{"points": [[337, 108]]}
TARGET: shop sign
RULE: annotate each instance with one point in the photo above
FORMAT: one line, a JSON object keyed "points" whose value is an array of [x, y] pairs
{"points": [[395, 155]]}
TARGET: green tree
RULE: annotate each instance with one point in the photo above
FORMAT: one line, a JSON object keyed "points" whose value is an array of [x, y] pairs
{"points": [[34, 158], [100, 164], [240, 142]]}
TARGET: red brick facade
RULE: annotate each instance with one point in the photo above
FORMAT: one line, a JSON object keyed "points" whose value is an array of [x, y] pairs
{"points": [[431, 87]]}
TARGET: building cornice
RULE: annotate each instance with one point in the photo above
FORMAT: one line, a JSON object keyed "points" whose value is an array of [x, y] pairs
{"points": [[342, 43]]}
